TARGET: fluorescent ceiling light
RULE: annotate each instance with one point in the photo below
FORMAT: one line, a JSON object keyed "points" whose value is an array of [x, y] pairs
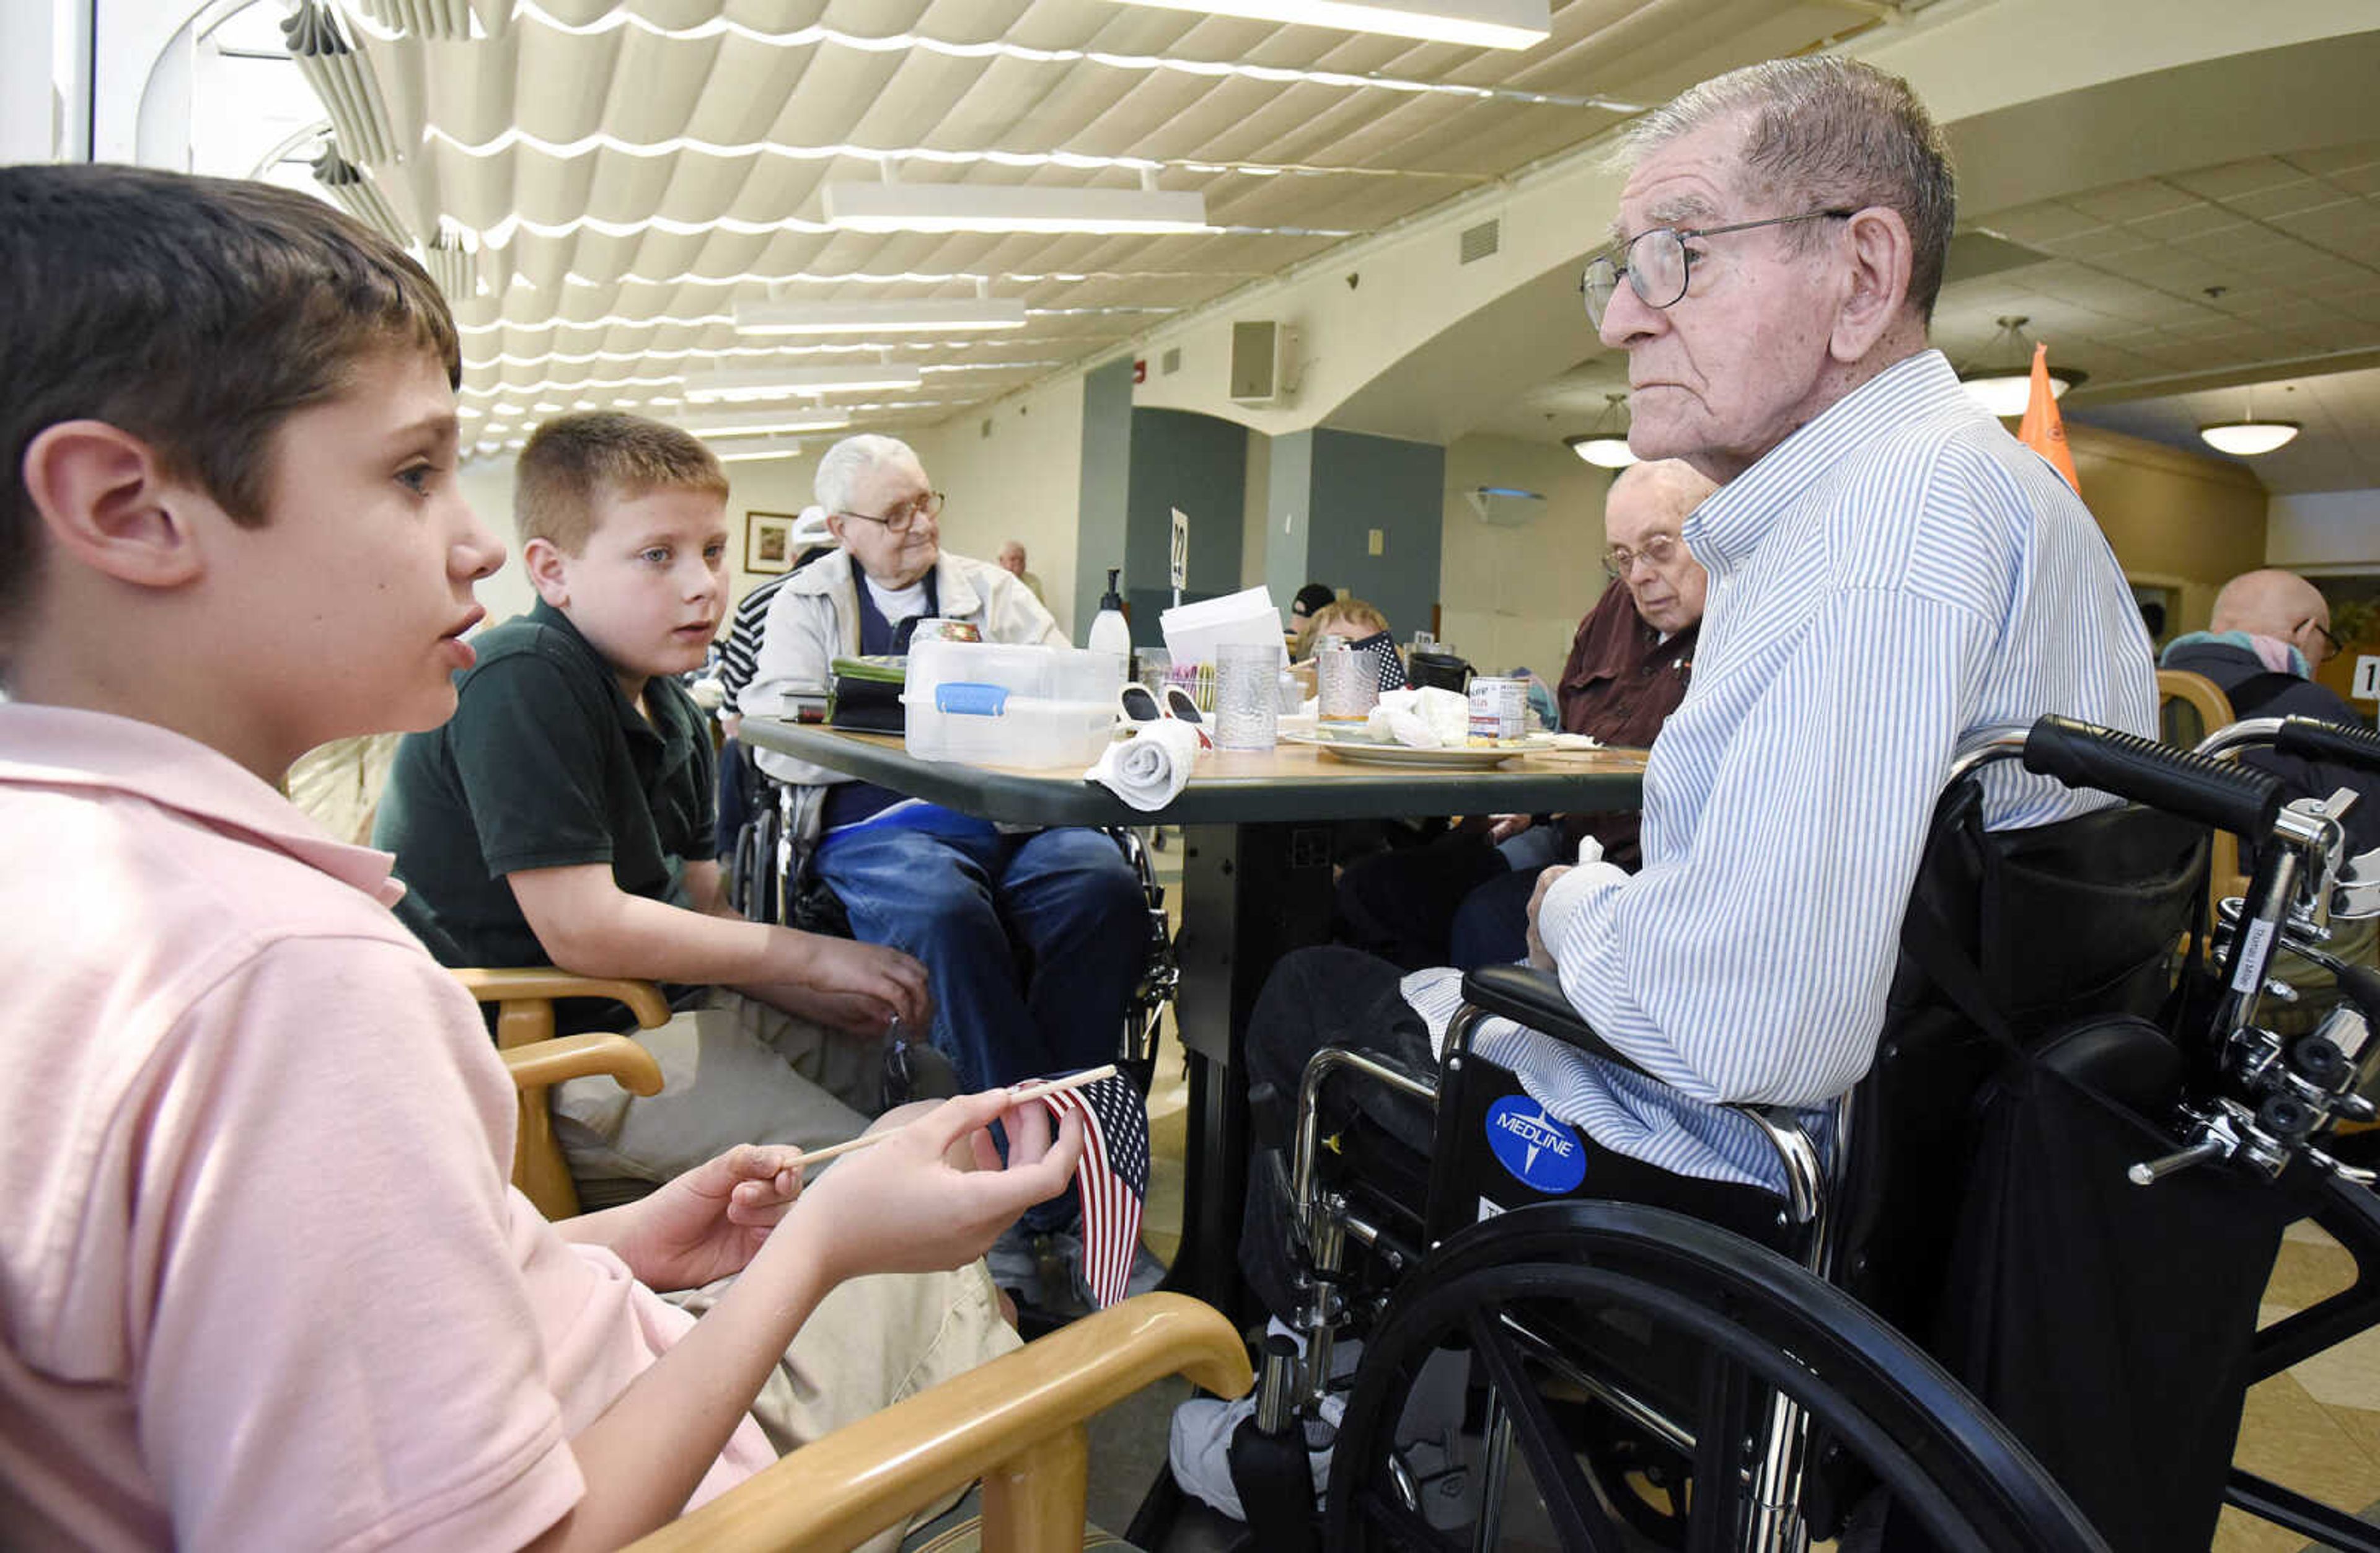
{"points": [[767, 423], [1492, 24], [2246, 439], [760, 382], [877, 317], [957, 207], [772, 447]]}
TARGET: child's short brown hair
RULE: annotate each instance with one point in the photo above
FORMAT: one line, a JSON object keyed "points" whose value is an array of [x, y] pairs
{"points": [[195, 313], [573, 461]]}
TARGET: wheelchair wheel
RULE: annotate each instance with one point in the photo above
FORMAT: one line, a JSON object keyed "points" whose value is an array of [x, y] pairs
{"points": [[1691, 1331]]}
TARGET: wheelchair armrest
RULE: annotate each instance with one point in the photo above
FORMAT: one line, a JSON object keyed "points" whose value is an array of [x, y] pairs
{"points": [[541, 1064], [1016, 1423], [1531, 997]]}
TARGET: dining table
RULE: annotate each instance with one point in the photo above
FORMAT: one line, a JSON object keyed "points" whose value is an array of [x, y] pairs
{"points": [[1257, 879]]}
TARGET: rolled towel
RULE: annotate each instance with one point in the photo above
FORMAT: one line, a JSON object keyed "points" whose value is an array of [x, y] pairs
{"points": [[1150, 770]]}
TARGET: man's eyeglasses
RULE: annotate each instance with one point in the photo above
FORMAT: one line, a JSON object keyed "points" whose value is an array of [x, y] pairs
{"points": [[2332, 645], [903, 517], [1658, 262], [1657, 552]]}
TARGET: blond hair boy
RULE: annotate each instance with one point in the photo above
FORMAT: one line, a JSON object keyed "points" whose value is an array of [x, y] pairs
{"points": [[563, 816]]}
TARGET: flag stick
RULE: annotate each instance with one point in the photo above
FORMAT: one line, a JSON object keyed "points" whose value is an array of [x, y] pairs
{"points": [[1019, 1096]]}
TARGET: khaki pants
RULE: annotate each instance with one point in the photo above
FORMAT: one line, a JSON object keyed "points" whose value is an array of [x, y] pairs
{"points": [[870, 1342], [734, 1070]]}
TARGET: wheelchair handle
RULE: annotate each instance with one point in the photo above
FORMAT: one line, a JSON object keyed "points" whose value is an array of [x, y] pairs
{"points": [[2312, 740], [2195, 787]]}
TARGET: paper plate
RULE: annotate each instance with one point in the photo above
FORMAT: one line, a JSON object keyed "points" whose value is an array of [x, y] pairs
{"points": [[1361, 750]]}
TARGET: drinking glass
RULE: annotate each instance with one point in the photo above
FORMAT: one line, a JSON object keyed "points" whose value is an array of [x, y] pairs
{"points": [[1246, 708]]}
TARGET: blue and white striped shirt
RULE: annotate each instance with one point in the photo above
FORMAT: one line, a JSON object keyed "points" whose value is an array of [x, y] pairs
{"points": [[1897, 574]]}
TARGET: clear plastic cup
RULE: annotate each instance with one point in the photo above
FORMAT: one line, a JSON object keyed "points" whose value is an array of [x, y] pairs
{"points": [[1248, 707]]}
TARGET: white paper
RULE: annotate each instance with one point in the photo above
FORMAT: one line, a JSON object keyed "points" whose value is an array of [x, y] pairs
{"points": [[1194, 631]]}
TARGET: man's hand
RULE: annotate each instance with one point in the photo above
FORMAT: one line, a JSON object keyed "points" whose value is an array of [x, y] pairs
{"points": [[851, 986], [903, 1207], [1539, 956], [709, 1221]]}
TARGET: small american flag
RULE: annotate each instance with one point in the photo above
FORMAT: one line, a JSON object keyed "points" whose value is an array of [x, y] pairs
{"points": [[1112, 1181]]}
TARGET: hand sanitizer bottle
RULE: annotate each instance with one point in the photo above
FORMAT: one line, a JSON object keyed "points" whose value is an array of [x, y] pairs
{"points": [[1109, 632]]}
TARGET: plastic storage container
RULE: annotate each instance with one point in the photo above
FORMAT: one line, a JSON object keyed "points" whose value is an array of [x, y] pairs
{"points": [[1004, 704]]}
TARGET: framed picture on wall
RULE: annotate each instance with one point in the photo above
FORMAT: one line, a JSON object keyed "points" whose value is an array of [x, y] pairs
{"points": [[769, 541]]}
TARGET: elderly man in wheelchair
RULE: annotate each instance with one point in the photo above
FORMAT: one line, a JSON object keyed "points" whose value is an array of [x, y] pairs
{"points": [[2006, 1187], [1777, 1095]]}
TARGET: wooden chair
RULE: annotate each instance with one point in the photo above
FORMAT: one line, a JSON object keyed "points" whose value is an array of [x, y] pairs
{"points": [[2179, 690], [524, 1000], [1016, 1423]]}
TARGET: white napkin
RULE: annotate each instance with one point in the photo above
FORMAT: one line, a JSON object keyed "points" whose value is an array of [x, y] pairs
{"points": [[1427, 718], [1150, 770]]}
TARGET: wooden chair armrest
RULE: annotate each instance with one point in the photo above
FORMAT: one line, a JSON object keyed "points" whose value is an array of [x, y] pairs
{"points": [[643, 998], [997, 1422], [546, 1062]]}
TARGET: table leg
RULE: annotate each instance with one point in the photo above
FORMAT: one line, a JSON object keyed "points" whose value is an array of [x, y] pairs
{"points": [[1250, 894]]}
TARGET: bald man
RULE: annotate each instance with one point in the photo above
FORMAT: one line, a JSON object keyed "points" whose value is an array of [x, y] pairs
{"points": [[1463, 899], [2271, 629], [1012, 561]]}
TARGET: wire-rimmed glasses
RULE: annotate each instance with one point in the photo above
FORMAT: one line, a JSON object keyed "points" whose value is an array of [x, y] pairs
{"points": [[901, 519], [1658, 262]]}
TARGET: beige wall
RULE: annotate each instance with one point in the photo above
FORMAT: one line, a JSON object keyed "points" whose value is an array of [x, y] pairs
{"points": [[1513, 596], [2173, 518], [1023, 482], [2324, 532]]}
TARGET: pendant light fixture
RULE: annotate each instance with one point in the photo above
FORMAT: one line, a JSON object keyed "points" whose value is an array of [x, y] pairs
{"points": [[2001, 376], [1606, 446], [2248, 437]]}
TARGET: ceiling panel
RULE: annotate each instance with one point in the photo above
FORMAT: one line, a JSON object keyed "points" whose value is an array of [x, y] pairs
{"points": [[627, 174]]}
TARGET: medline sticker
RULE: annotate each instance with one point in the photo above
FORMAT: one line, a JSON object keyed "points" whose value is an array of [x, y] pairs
{"points": [[1540, 1152], [2253, 954]]}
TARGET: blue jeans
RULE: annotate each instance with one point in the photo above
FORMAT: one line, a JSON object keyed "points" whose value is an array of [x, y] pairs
{"points": [[1032, 944]]}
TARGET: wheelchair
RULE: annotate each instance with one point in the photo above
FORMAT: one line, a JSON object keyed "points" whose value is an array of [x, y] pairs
{"points": [[769, 879], [1721, 1367]]}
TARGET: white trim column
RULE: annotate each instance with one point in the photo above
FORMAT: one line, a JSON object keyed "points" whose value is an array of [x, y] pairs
{"points": [[45, 52]]}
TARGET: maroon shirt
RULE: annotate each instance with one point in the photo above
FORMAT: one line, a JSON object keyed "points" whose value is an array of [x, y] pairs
{"points": [[1622, 682]]}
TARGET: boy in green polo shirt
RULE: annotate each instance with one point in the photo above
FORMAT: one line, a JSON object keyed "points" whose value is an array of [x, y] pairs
{"points": [[564, 817]]}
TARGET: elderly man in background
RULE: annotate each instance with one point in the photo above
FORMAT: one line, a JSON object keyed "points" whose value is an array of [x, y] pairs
{"points": [[1463, 900], [2271, 630], [1031, 940], [1889, 572], [1012, 561]]}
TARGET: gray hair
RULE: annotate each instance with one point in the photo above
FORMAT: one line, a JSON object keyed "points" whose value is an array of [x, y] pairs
{"points": [[842, 465], [1831, 132]]}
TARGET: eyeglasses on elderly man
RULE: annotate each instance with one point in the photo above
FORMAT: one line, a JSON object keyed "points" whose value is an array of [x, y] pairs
{"points": [[1658, 263]]}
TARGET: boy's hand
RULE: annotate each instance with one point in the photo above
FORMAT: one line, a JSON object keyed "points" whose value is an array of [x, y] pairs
{"points": [[903, 1207], [709, 1221], [852, 986]]}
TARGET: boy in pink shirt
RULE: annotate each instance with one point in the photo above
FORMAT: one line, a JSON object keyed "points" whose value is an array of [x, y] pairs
{"points": [[262, 1282]]}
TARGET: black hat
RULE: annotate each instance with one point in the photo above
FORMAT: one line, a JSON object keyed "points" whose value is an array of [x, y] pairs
{"points": [[1311, 598]]}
